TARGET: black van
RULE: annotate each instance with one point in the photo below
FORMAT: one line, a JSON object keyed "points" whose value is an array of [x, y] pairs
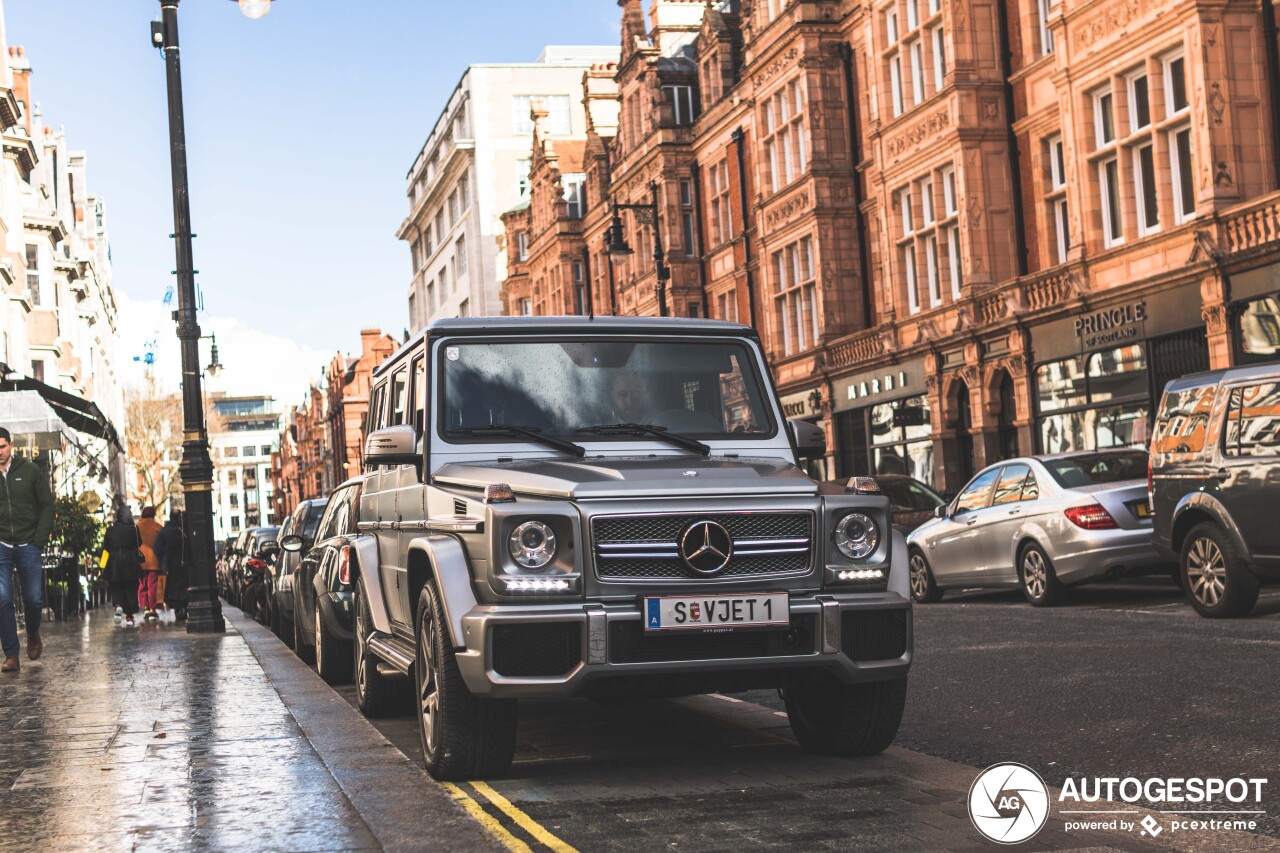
{"points": [[1215, 484]]}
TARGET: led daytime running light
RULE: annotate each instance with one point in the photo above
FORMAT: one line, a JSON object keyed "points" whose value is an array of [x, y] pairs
{"points": [[861, 575], [537, 584]]}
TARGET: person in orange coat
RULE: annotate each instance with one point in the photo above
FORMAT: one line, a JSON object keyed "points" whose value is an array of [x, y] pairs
{"points": [[149, 585]]}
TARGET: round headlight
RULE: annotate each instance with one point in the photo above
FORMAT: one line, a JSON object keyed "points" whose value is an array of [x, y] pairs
{"points": [[532, 544], [857, 535]]}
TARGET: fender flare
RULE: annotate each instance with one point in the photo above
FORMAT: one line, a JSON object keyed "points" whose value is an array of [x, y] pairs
{"points": [[452, 574], [1030, 531], [899, 566], [371, 581], [1212, 507]]}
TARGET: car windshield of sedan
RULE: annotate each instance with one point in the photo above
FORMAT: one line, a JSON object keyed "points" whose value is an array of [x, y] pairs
{"points": [[909, 496], [589, 389], [1091, 469]]}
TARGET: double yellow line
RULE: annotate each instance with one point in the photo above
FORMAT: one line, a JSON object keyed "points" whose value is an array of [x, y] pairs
{"points": [[535, 830]]}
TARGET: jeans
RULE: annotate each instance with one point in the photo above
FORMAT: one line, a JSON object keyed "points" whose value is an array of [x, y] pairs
{"points": [[27, 560]]}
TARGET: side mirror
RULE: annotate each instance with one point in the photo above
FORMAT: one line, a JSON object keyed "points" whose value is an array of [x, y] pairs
{"points": [[393, 445], [292, 544], [810, 439], [940, 511]]}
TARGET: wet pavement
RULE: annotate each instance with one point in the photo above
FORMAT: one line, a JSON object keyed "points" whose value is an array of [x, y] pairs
{"points": [[152, 739]]}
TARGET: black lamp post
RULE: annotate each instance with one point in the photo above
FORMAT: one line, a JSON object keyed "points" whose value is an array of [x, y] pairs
{"points": [[616, 242], [204, 610]]}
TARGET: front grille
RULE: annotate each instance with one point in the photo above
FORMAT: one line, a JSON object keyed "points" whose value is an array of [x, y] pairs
{"points": [[647, 547], [628, 643], [536, 648], [874, 634]]}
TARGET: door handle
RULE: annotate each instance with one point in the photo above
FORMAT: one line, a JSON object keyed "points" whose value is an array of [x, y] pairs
{"points": [[1015, 511], [971, 522], [1222, 474]]}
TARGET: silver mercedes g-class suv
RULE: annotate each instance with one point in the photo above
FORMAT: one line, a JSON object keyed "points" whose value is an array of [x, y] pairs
{"points": [[611, 508]]}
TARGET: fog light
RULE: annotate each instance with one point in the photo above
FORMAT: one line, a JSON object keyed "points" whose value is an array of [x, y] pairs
{"points": [[861, 575], [537, 584]]}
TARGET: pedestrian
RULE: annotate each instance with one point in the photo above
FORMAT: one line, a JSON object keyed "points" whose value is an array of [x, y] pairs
{"points": [[171, 545], [149, 583], [26, 518], [124, 566]]}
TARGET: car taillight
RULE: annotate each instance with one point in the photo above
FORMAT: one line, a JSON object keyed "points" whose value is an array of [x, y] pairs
{"points": [[344, 565], [1091, 517], [1151, 483]]}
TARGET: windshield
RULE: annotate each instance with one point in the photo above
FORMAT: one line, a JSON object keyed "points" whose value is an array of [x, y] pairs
{"points": [[708, 389], [1090, 469]]}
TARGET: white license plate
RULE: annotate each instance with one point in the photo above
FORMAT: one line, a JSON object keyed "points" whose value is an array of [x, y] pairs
{"points": [[677, 612]]}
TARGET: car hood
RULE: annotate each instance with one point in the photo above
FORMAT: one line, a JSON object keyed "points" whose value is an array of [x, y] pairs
{"points": [[644, 476]]}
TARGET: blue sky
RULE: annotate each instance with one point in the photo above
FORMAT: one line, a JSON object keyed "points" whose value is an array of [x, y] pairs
{"points": [[300, 129]]}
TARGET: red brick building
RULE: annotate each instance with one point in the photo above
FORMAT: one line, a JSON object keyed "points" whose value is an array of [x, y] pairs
{"points": [[322, 443], [963, 231]]}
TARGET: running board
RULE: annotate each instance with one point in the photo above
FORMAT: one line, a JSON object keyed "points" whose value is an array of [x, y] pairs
{"points": [[393, 650]]}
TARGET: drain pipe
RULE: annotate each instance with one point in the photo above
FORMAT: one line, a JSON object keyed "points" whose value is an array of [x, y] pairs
{"points": [[695, 177], [855, 152], [1273, 82], [1015, 174], [737, 138]]}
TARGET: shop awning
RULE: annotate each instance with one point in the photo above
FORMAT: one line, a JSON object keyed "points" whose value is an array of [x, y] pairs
{"points": [[30, 420], [79, 414]]}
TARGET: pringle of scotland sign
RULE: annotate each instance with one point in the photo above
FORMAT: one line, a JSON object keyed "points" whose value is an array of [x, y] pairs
{"points": [[1111, 325]]}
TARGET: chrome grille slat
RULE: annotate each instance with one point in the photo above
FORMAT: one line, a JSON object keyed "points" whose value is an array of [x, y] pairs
{"points": [[647, 547]]}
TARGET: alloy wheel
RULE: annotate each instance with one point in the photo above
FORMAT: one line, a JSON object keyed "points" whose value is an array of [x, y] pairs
{"points": [[1206, 571], [428, 685], [1034, 574], [362, 655], [919, 577]]}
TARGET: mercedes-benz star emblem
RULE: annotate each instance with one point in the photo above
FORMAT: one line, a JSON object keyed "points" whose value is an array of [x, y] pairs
{"points": [[706, 547]]}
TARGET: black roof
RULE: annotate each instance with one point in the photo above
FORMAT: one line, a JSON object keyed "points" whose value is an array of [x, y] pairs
{"points": [[462, 326], [1213, 377]]}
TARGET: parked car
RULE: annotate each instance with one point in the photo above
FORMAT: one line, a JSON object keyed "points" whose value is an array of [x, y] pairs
{"points": [[322, 609], [1215, 485], [1041, 523], [613, 508], [248, 546], [303, 522], [911, 501]]}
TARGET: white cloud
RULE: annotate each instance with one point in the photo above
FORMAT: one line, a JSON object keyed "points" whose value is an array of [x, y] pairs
{"points": [[254, 360]]}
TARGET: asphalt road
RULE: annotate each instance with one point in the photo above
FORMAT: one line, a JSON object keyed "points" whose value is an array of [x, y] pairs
{"points": [[1125, 680]]}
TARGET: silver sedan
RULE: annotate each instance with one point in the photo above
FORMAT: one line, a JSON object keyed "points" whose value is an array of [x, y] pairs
{"points": [[1041, 523]]}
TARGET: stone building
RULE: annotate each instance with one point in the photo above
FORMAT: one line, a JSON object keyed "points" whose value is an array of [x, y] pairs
{"points": [[473, 167], [244, 436], [58, 332], [963, 231]]}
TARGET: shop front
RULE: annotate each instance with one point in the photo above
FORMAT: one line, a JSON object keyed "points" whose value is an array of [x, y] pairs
{"points": [[1099, 374], [1256, 315], [882, 423]]}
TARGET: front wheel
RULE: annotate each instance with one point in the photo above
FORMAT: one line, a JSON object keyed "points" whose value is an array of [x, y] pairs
{"points": [[831, 718], [333, 655], [1214, 575], [924, 589], [463, 736], [1040, 582]]}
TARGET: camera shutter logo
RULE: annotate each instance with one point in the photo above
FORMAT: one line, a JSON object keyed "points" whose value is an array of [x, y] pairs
{"points": [[1008, 803]]}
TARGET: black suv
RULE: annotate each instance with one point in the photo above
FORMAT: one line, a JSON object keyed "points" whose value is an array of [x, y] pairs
{"points": [[1215, 484]]}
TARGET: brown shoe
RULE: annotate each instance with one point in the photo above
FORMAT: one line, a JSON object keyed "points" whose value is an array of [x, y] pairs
{"points": [[35, 646], [11, 664]]}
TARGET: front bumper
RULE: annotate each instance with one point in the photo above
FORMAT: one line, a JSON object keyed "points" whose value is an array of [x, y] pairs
{"points": [[551, 651], [1098, 554]]}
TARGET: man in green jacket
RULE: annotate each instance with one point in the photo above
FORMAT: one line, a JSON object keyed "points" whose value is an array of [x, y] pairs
{"points": [[26, 518]]}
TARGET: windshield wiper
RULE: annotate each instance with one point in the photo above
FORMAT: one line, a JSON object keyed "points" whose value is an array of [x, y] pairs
{"points": [[533, 433], [648, 429]]}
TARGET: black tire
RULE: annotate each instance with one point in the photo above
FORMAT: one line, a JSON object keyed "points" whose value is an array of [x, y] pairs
{"points": [[463, 736], [831, 718], [334, 659], [924, 589], [1037, 578], [1217, 582], [376, 695], [304, 652]]}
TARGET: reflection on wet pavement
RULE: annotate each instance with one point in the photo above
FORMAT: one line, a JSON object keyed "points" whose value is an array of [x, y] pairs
{"points": [[153, 739]]}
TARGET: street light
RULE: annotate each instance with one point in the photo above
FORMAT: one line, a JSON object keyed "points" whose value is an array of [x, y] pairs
{"points": [[214, 364], [204, 610], [615, 242]]}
